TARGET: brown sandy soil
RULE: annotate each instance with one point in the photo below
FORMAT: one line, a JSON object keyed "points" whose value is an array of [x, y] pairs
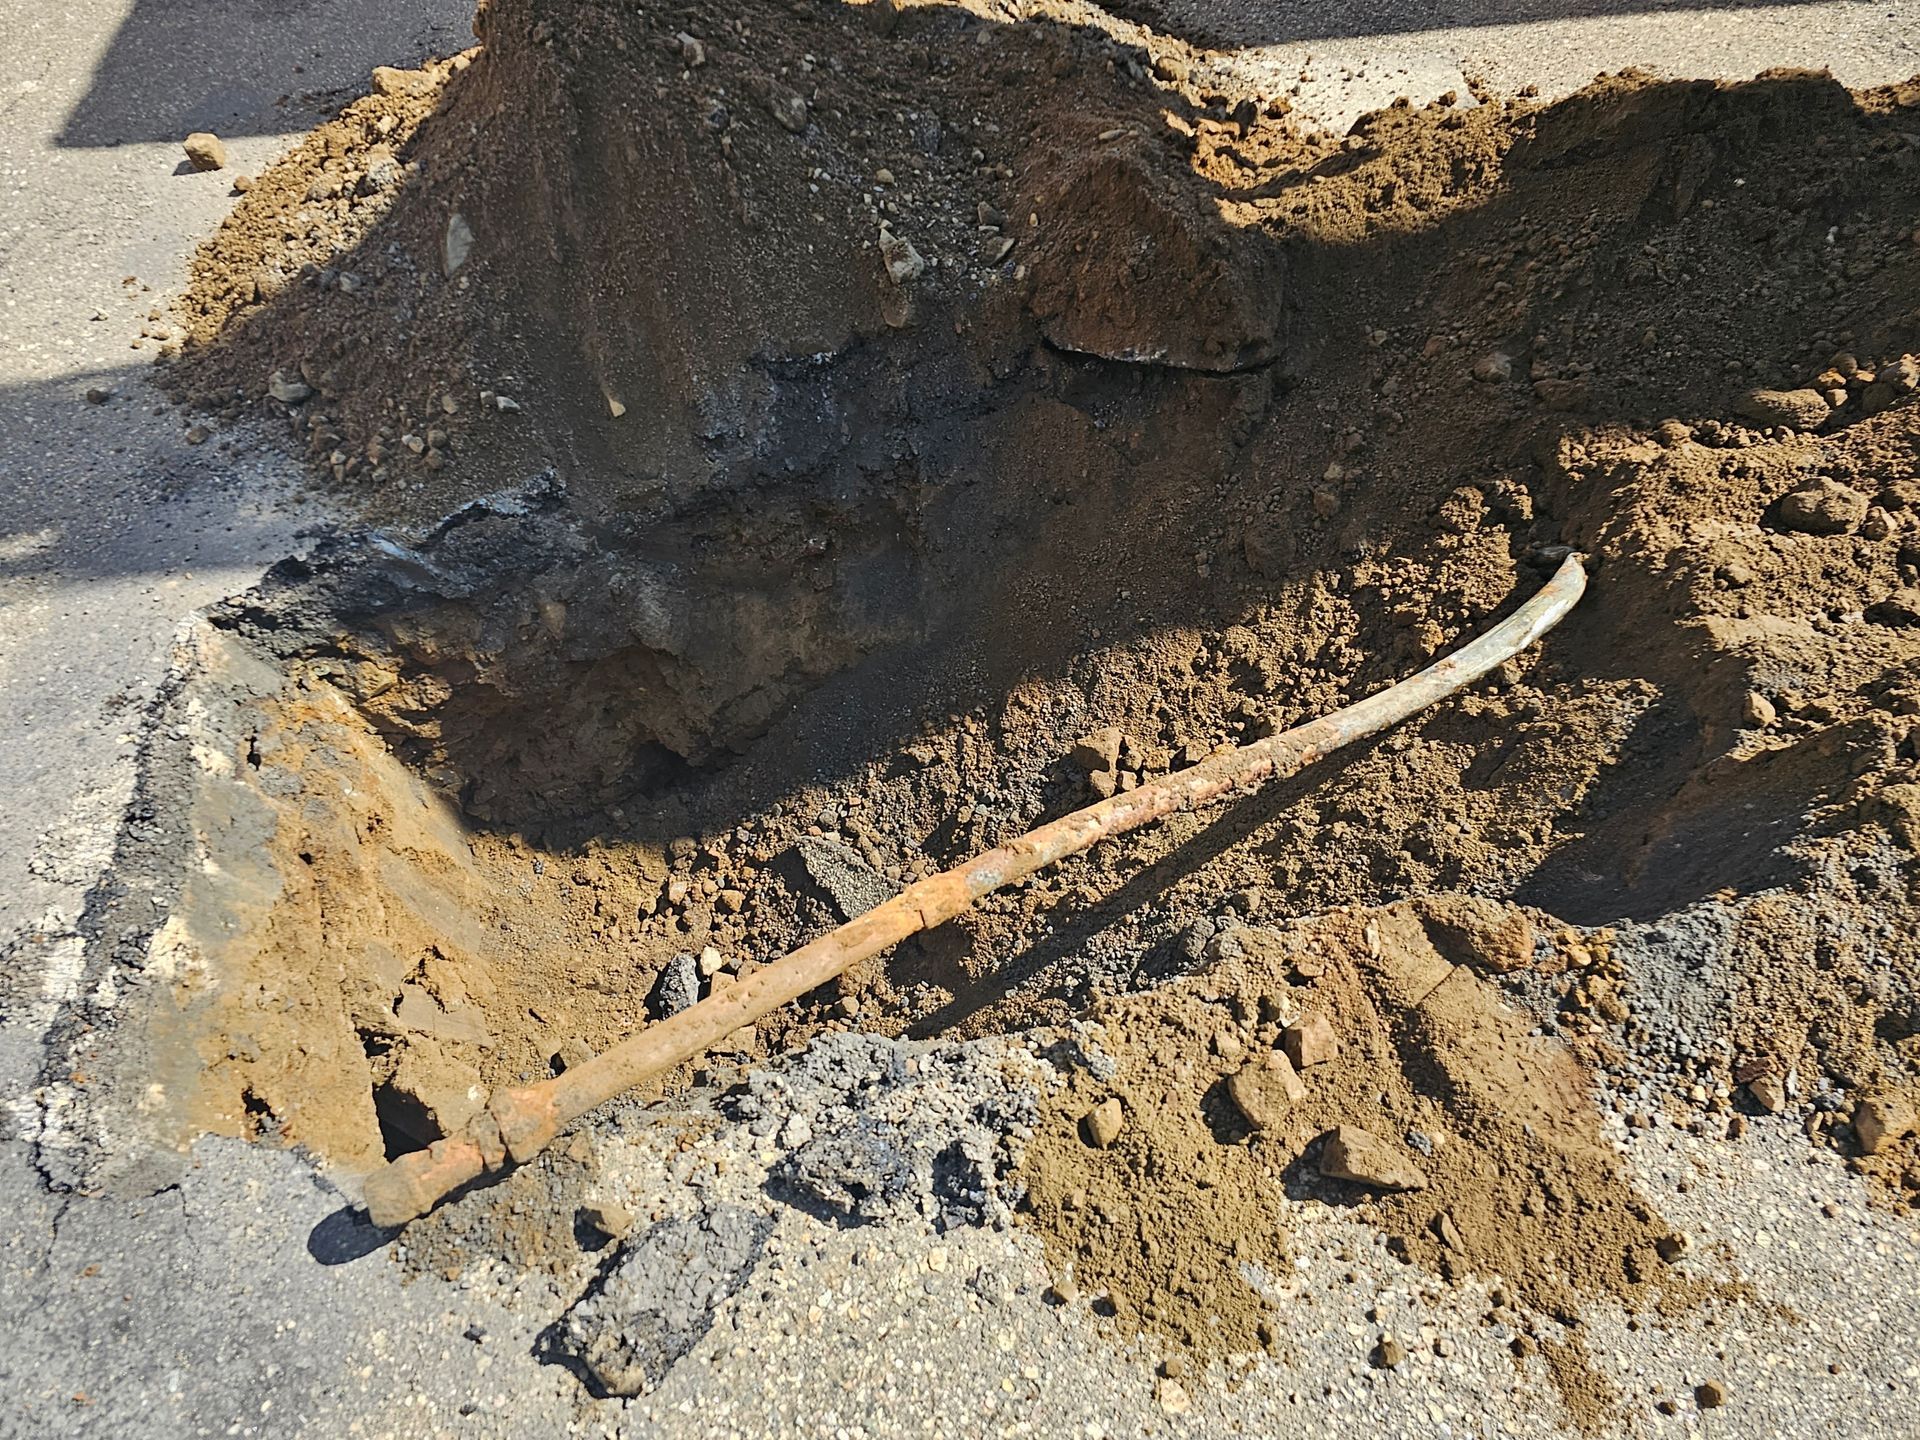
{"points": [[932, 391]]}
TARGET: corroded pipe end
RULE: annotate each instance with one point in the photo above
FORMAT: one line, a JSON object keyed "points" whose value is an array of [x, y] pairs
{"points": [[412, 1185]]}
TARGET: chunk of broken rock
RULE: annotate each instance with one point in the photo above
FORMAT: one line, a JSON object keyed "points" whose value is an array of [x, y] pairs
{"points": [[1098, 751], [204, 150], [1821, 507], [1472, 930], [1769, 1093], [403, 84], [677, 988], [1264, 1090], [288, 389], [903, 262], [1363, 1158], [1104, 1123], [1883, 1120], [1805, 409], [1310, 1041]]}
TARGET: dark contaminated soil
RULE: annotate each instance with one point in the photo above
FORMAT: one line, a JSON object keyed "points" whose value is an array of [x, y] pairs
{"points": [[878, 401]]}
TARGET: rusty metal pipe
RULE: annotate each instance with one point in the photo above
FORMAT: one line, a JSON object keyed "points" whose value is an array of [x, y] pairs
{"points": [[521, 1121]]}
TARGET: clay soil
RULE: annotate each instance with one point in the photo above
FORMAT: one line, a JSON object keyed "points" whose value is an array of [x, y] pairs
{"points": [[915, 391]]}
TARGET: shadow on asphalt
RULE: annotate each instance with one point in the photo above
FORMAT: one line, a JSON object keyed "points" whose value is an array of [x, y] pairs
{"points": [[236, 67]]}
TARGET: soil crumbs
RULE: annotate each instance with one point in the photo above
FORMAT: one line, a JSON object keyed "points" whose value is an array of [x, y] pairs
{"points": [[1163, 421]]}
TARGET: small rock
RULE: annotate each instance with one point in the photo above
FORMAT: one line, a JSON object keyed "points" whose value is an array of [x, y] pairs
{"points": [[1447, 1232], [677, 988], [1310, 1041], [1881, 1120], [1363, 1158], [732, 901], [1098, 751], [1769, 1092], [1494, 368], [1390, 1352], [1102, 1124], [1758, 711], [98, 395], [790, 110], [1265, 1090], [1805, 409], [1561, 394], [693, 52], [1472, 930], [1710, 1394], [457, 244], [242, 184], [204, 151], [1062, 1291], [396, 83], [1899, 610], [883, 176], [712, 962], [288, 389], [610, 1218], [987, 215], [1821, 507], [903, 262], [1172, 1396]]}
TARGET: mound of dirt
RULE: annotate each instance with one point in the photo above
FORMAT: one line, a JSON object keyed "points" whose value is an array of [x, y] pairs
{"points": [[1340, 1057], [886, 448]]}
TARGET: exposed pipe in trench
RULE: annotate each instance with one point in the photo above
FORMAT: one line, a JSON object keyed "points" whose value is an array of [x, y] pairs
{"points": [[519, 1122]]}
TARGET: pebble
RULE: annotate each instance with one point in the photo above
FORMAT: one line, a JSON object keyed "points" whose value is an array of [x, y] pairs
{"points": [[712, 962], [288, 389], [1391, 1352], [98, 395], [205, 151], [457, 244], [790, 110], [1103, 1124], [903, 262], [1710, 1394], [677, 988]]}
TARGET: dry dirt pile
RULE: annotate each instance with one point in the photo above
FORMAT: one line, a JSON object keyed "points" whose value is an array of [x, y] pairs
{"points": [[927, 391]]}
